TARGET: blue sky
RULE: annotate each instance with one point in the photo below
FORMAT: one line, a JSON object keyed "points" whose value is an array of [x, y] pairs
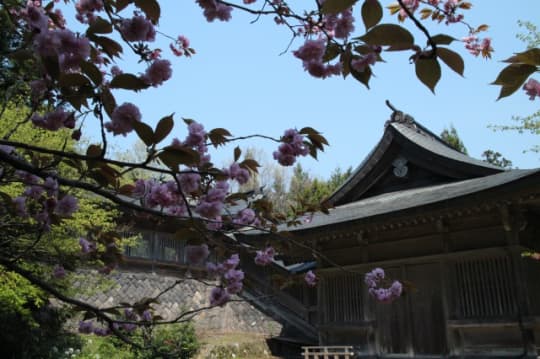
{"points": [[239, 80]]}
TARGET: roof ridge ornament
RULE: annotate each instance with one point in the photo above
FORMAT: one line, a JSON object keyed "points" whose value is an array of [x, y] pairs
{"points": [[400, 117]]}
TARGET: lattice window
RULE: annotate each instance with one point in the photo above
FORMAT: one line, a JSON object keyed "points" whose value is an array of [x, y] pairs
{"points": [[342, 298], [484, 288]]}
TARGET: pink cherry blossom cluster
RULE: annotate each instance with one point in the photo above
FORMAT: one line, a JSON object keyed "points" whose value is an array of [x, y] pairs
{"points": [[154, 194], [41, 200], [87, 246], [172, 198], [311, 53], [293, 146], [265, 257], [450, 8], [212, 203], [181, 47], [138, 28], [196, 139], [89, 249], [197, 255], [246, 217], [89, 326], [53, 121], [532, 89], [311, 279], [411, 5], [375, 279], [86, 9], [123, 118], [157, 73], [339, 25], [214, 10], [475, 46], [70, 49], [58, 272], [230, 277], [365, 61], [235, 172]]}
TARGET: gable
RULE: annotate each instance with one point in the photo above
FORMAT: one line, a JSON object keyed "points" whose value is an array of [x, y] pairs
{"points": [[408, 156]]}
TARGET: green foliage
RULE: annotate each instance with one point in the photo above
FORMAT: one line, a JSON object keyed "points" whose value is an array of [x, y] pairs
{"points": [[495, 158], [20, 301], [104, 347], [179, 340], [30, 326], [531, 37], [17, 295], [451, 137], [305, 191]]}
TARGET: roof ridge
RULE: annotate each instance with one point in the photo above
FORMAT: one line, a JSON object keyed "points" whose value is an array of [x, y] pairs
{"points": [[409, 121]]}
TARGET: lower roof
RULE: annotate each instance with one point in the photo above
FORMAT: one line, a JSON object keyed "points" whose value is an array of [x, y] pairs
{"points": [[408, 199]]}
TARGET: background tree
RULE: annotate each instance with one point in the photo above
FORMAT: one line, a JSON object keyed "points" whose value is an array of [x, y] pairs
{"points": [[32, 327], [495, 158], [451, 137]]}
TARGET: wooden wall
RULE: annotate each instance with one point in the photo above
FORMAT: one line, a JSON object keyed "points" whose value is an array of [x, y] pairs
{"points": [[471, 294]]}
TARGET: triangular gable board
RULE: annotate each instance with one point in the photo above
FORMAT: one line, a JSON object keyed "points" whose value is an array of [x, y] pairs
{"points": [[408, 156]]}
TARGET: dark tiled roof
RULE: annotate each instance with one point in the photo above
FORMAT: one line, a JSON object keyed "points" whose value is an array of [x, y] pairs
{"points": [[424, 138], [405, 131], [407, 199]]}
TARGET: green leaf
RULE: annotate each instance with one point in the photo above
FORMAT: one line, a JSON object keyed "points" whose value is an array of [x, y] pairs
{"points": [[332, 51], [93, 151], [363, 77], [173, 156], [73, 79], [451, 59], [218, 136], [145, 132], [250, 164], [128, 82], [150, 8], [122, 4], [345, 60], [308, 131], [52, 66], [372, 13], [163, 128], [442, 39], [388, 35], [529, 57], [512, 77], [108, 101], [237, 153], [336, 6], [429, 72], [92, 72], [109, 46], [126, 189], [99, 26]]}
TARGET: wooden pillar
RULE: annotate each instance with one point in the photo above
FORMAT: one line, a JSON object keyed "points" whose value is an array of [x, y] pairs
{"points": [[443, 230], [512, 223]]}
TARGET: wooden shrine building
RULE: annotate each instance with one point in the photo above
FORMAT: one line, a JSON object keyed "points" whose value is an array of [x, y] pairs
{"points": [[452, 227]]}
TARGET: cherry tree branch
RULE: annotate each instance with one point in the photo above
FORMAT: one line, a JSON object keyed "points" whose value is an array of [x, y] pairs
{"points": [[422, 28]]}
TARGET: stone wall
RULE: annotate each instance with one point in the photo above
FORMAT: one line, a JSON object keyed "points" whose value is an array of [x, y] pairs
{"points": [[131, 286]]}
